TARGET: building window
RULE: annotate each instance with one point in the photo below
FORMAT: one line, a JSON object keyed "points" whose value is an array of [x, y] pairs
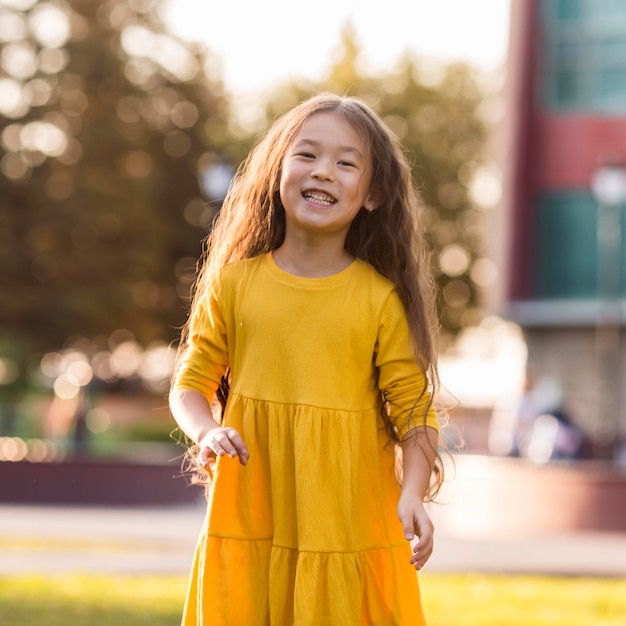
{"points": [[568, 263], [584, 55], [566, 245]]}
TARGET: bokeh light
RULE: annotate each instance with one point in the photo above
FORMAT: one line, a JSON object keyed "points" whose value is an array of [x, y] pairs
{"points": [[66, 387], [19, 60], [12, 27], [13, 101], [12, 449], [98, 420], [9, 371], [454, 260], [172, 56], [50, 25], [43, 137], [486, 187]]}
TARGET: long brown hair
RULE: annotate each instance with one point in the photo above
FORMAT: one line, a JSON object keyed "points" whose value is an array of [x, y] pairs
{"points": [[252, 222]]}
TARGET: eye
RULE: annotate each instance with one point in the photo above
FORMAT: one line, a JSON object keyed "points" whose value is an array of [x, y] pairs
{"points": [[305, 155], [347, 163]]}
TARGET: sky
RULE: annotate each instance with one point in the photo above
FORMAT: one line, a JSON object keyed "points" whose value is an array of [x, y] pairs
{"points": [[263, 42]]}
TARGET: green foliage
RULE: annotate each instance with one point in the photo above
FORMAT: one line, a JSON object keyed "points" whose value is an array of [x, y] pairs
{"points": [[107, 123], [101, 211], [440, 124], [449, 600]]}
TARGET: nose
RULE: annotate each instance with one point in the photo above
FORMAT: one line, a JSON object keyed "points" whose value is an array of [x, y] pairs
{"points": [[323, 170]]}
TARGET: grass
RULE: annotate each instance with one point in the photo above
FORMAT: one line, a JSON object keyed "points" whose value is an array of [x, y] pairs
{"points": [[94, 600], [495, 600], [449, 600]]}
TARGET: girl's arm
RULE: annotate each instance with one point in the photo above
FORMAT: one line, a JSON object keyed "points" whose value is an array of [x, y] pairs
{"points": [[193, 413], [418, 459]]}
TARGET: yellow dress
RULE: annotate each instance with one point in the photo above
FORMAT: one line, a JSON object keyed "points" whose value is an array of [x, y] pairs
{"points": [[307, 533]]}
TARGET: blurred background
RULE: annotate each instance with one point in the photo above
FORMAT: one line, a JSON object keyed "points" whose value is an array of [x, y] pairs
{"points": [[123, 121]]}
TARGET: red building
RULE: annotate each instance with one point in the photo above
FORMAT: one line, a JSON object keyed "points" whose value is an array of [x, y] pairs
{"points": [[561, 237]]}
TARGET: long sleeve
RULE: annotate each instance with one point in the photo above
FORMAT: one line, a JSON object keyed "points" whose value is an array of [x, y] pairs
{"points": [[399, 377], [206, 357]]}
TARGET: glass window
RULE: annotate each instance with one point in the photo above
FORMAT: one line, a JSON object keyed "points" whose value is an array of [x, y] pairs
{"points": [[584, 55], [567, 87], [566, 245], [567, 9], [568, 261], [612, 87]]}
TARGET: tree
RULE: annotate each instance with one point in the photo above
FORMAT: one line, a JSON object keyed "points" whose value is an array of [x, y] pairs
{"points": [[440, 124], [107, 123]]}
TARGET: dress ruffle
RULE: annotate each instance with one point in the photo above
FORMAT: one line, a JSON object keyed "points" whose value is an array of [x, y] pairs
{"points": [[307, 532], [257, 583]]}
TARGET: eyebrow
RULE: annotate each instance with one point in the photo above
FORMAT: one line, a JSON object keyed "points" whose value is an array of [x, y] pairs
{"points": [[315, 144]]}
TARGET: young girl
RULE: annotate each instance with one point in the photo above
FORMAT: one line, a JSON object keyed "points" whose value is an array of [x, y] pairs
{"points": [[314, 301]]}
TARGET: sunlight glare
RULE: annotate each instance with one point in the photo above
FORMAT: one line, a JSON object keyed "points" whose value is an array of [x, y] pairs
{"points": [[271, 42]]}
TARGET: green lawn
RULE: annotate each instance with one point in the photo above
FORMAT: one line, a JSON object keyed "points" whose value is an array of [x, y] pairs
{"points": [[497, 600], [449, 600], [94, 600]]}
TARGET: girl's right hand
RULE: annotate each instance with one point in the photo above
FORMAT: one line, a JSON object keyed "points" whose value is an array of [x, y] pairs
{"points": [[220, 441]]}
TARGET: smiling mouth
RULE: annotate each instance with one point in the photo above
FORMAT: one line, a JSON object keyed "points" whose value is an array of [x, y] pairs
{"points": [[318, 198]]}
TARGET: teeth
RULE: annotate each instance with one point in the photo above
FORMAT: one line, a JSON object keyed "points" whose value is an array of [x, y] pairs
{"points": [[320, 199]]}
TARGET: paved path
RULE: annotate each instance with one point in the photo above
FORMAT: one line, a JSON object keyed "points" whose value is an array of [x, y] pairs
{"points": [[54, 539]]}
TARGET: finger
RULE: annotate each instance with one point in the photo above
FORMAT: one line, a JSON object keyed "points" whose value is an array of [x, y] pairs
{"points": [[222, 444], [242, 452], [205, 456], [239, 446], [422, 550], [419, 562], [423, 546], [406, 519], [229, 442], [216, 448], [425, 532], [421, 556]]}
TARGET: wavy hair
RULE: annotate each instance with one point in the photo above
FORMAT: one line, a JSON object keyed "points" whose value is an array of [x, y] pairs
{"points": [[252, 222]]}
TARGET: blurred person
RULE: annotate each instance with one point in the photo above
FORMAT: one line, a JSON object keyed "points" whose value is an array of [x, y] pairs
{"points": [[537, 425], [553, 435], [311, 321], [512, 420], [541, 395]]}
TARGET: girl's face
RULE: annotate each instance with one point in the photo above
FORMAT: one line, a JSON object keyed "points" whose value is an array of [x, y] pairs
{"points": [[325, 177]]}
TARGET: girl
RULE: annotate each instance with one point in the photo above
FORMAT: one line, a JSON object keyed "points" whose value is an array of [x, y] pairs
{"points": [[313, 300]]}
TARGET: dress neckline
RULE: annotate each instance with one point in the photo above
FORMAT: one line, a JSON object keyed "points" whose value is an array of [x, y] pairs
{"points": [[313, 283]]}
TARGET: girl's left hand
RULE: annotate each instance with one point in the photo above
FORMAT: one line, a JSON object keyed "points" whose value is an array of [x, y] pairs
{"points": [[416, 522]]}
